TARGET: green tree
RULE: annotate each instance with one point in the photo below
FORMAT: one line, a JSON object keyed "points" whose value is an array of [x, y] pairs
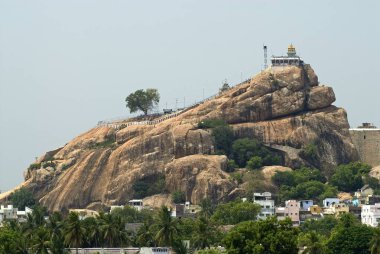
{"points": [[350, 237], [314, 243], [375, 242], [113, 231], [207, 207], [223, 137], [167, 227], [41, 241], [178, 197], [235, 212], [262, 237], [9, 241], [243, 149], [22, 198], [142, 100], [255, 162], [323, 226], [205, 233], [348, 177], [74, 232]]}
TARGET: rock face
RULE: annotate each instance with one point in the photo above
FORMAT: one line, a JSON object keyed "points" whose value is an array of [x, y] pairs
{"points": [[284, 107]]}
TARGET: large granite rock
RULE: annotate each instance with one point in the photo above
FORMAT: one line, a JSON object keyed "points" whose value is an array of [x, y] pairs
{"points": [[284, 107]]}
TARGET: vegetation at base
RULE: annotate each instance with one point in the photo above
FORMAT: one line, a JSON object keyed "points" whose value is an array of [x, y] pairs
{"points": [[34, 166], [22, 198], [235, 212], [329, 235], [178, 197], [142, 100], [269, 236], [149, 185]]}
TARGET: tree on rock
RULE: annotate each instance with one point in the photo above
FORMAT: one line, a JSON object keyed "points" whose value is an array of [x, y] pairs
{"points": [[142, 100]]}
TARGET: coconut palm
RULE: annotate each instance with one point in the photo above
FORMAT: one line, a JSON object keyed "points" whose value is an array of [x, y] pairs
{"points": [[41, 241], [55, 227], [74, 231], [204, 233], [113, 231], [167, 227], [375, 242]]}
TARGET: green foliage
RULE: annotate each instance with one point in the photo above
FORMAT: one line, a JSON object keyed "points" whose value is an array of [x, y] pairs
{"points": [[263, 237], [321, 226], [348, 177], [255, 162], [295, 177], [129, 214], [47, 164], [34, 166], [237, 177], [209, 251], [350, 237], [235, 212], [223, 137], [108, 142], [231, 166], [308, 190], [244, 149], [167, 227], [142, 100], [207, 208], [205, 233], [211, 123], [21, 198], [149, 185], [10, 241], [310, 151], [303, 183], [314, 243], [178, 197]]}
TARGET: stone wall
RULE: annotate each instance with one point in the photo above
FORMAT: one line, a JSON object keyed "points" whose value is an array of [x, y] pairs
{"points": [[367, 143]]}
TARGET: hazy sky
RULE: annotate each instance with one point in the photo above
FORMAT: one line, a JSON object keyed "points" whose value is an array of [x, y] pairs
{"points": [[65, 65]]}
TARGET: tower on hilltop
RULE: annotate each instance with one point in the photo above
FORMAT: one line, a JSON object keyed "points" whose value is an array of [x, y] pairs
{"points": [[290, 59]]}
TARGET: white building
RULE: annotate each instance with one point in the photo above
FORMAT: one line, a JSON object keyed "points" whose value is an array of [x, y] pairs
{"points": [[371, 214], [267, 204], [8, 213], [23, 215], [155, 250], [136, 203]]}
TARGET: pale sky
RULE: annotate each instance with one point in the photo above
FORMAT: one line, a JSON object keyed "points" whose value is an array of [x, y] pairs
{"points": [[65, 65]]}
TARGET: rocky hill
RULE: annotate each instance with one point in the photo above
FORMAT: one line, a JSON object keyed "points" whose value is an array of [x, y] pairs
{"points": [[284, 107]]}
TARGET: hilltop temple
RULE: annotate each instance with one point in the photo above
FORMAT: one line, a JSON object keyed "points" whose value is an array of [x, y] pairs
{"points": [[290, 59]]}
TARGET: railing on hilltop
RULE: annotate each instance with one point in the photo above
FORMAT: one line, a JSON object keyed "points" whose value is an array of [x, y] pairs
{"points": [[118, 122]]}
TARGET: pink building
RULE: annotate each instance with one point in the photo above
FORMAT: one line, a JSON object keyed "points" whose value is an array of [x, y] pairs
{"points": [[291, 210]]}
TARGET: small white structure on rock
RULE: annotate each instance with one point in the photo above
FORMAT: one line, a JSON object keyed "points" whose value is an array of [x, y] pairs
{"points": [[290, 59]]}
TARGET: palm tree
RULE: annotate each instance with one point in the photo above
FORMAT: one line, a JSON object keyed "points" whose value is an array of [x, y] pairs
{"points": [[41, 241], [167, 227], [74, 231], [204, 233], [113, 231], [314, 244], [375, 242], [145, 236], [55, 228]]}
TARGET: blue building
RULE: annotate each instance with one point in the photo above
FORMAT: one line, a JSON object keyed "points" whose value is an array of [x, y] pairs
{"points": [[330, 201]]}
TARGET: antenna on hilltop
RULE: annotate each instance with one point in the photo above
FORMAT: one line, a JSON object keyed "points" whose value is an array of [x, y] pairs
{"points": [[265, 57]]}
